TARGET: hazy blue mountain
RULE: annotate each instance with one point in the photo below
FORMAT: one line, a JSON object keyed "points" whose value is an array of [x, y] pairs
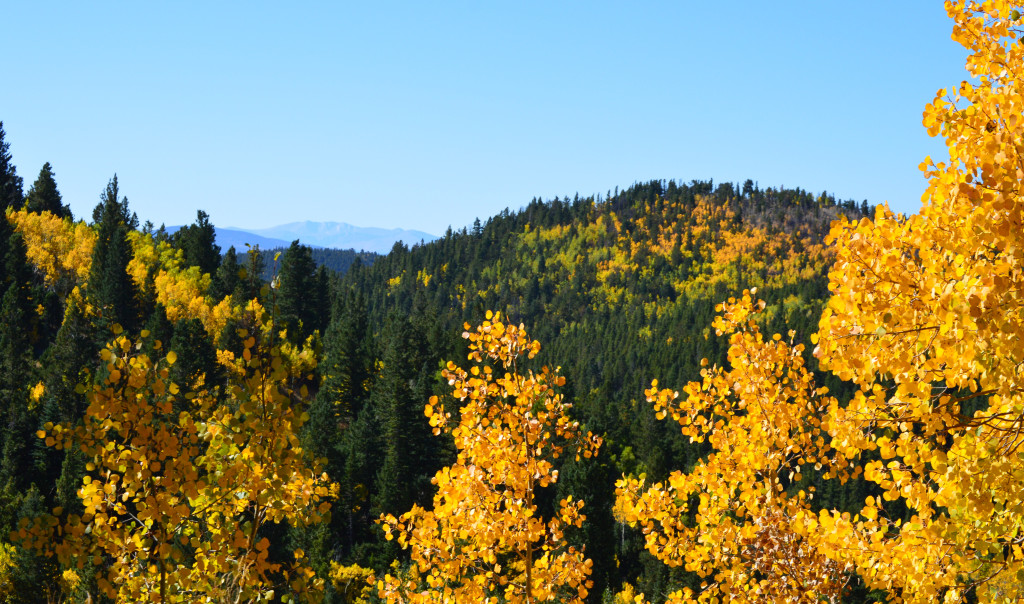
{"points": [[341, 235], [334, 235], [238, 238]]}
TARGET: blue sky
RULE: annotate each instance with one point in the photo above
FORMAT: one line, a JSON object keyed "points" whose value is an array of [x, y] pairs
{"points": [[422, 115]]}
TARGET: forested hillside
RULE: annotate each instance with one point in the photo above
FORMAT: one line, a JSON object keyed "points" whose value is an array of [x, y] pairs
{"points": [[619, 289], [672, 393]]}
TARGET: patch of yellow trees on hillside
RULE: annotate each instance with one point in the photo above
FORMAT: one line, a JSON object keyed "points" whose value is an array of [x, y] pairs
{"points": [[926, 319]]}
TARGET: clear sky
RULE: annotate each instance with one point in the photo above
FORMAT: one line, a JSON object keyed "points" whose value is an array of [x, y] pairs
{"points": [[422, 115]]}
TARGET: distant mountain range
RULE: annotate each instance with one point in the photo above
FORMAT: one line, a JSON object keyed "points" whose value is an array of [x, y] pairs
{"points": [[341, 235], [337, 235]]}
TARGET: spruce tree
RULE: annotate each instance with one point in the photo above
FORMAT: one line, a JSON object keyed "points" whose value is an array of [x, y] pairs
{"points": [[398, 397], [16, 361], [69, 361], [345, 373], [297, 292], [198, 243], [160, 330], [43, 196], [14, 386], [332, 431], [227, 278], [359, 448], [250, 286], [196, 367], [111, 288], [10, 183]]}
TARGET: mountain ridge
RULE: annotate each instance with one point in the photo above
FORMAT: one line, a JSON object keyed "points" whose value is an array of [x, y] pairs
{"points": [[329, 235], [341, 235]]}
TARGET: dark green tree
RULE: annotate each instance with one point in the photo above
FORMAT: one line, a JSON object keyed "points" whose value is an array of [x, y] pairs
{"points": [[359, 449], [593, 480], [16, 360], [251, 282], [196, 367], [43, 196], [160, 330], [398, 396], [11, 185], [345, 373], [69, 361], [297, 292], [331, 431], [110, 287], [227, 277], [198, 243]]}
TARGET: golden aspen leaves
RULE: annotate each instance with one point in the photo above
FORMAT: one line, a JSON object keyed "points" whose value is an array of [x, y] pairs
{"points": [[484, 537], [926, 316], [168, 493], [731, 517]]}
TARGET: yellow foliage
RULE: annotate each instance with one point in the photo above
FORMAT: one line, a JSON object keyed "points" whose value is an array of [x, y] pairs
{"points": [[733, 518], [59, 249], [484, 538], [181, 291], [37, 393], [175, 494], [927, 318], [7, 566], [628, 596], [353, 583]]}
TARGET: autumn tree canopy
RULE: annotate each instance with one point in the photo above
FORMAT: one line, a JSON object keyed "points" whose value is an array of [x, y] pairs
{"points": [[925, 320], [485, 536]]}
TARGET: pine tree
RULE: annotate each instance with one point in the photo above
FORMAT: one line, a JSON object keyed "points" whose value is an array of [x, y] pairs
{"points": [[227, 278], [16, 359], [160, 329], [408, 443], [359, 447], [335, 432], [111, 288], [297, 292], [44, 196], [198, 242], [196, 368], [251, 282], [69, 360], [345, 371], [10, 182]]}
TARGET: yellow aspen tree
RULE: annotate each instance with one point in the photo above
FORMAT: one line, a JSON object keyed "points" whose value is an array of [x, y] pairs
{"points": [[157, 270], [485, 540], [730, 518], [59, 249], [927, 318], [353, 583], [176, 494]]}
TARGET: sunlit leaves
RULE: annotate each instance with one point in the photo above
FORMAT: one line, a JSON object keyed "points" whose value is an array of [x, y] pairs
{"points": [[57, 247], [182, 291], [736, 519], [927, 318], [174, 498], [484, 537]]}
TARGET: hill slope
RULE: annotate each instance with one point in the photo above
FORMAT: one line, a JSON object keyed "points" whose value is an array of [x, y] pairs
{"points": [[618, 291]]}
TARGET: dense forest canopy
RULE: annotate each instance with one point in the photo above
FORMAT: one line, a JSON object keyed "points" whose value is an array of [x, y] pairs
{"points": [[612, 284], [674, 392]]}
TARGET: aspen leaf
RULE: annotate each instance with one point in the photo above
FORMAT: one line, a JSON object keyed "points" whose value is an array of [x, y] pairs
{"points": [[510, 428]]}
